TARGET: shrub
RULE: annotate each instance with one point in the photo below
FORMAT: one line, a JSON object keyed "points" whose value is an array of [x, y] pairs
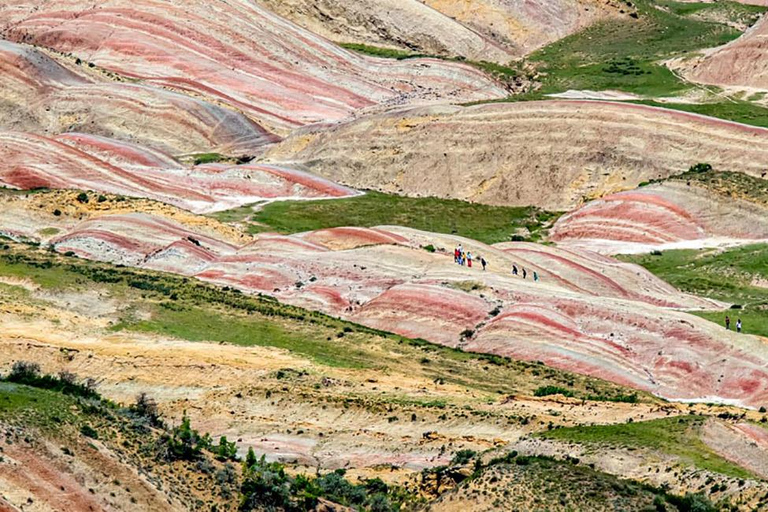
{"points": [[57, 212], [24, 370], [184, 443], [429, 248], [461, 457], [552, 390], [226, 450], [82, 197], [89, 431], [101, 199], [700, 168]]}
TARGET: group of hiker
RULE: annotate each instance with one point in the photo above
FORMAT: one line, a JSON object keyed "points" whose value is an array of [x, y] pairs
{"points": [[728, 323], [464, 258], [524, 272]]}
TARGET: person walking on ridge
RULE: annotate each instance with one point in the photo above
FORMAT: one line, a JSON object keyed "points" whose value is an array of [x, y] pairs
{"points": [[738, 325], [514, 270], [535, 276], [525, 273], [727, 322], [483, 262], [469, 259]]}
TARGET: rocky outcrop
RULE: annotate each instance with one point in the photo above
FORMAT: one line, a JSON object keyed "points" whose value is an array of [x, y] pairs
{"points": [[237, 54], [49, 96], [741, 63], [666, 215], [552, 154], [88, 162]]}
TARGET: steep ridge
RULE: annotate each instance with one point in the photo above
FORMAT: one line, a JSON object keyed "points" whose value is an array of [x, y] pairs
{"points": [[551, 154], [741, 63], [407, 25], [523, 27], [237, 53], [40, 94], [666, 215], [588, 313], [94, 163], [490, 30]]}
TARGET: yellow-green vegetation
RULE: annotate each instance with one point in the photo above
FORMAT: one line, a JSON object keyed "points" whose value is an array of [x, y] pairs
{"points": [[737, 276], [47, 409], [195, 311], [209, 158], [506, 74], [489, 224], [676, 436], [626, 54], [520, 482], [733, 110]]}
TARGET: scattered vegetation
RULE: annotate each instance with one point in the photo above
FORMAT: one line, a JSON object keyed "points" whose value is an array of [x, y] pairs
{"points": [[677, 436], [510, 75], [485, 223], [262, 485], [626, 54], [521, 482], [189, 309], [733, 275]]}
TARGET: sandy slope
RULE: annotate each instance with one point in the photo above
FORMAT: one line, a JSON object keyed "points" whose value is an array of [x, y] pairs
{"points": [[743, 62], [237, 54], [553, 154]]}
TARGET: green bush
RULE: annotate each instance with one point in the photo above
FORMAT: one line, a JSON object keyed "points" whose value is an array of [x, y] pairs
{"points": [[552, 390]]}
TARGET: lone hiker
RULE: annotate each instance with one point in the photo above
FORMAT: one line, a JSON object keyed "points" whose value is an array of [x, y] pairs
{"points": [[727, 322], [535, 276], [514, 270], [525, 274], [738, 325], [483, 262], [469, 259]]}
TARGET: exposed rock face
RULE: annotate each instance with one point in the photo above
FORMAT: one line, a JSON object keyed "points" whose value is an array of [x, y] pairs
{"points": [[549, 153], [587, 313], [491, 30], [238, 54], [741, 63], [42, 95], [664, 215], [523, 26], [407, 25], [88, 162]]}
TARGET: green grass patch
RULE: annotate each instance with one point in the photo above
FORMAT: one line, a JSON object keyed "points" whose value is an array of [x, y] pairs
{"points": [[625, 54], [213, 325], [732, 110], [728, 275], [489, 224], [208, 158], [678, 436]]}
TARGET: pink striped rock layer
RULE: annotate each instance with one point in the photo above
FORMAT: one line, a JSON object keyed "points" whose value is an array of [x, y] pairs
{"points": [[88, 162], [588, 313], [672, 214], [237, 53], [48, 97]]}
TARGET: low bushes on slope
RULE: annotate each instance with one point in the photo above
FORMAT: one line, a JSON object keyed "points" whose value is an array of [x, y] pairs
{"points": [[678, 436], [161, 449]]}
